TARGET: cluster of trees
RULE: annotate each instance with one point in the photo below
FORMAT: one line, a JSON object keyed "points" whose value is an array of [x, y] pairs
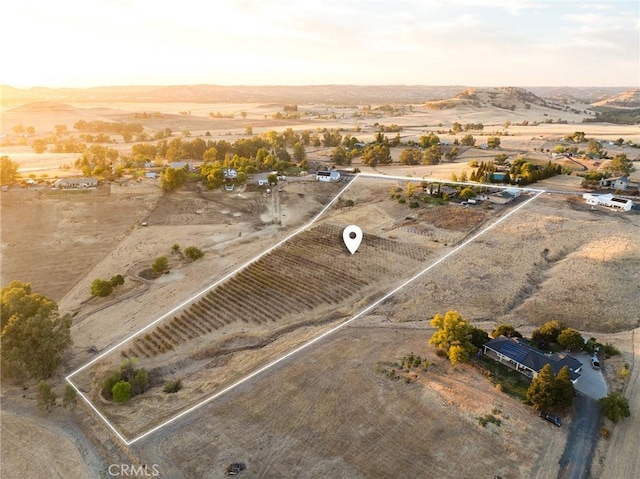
{"points": [[620, 165], [97, 126], [556, 332], [615, 115], [375, 154], [146, 115], [521, 171], [455, 337], [34, 336], [190, 252], [126, 382], [103, 288], [47, 398], [457, 127], [20, 129], [173, 178], [548, 390], [98, 160]]}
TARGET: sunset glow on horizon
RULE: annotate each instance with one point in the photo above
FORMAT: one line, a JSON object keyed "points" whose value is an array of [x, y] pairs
{"points": [[239, 42]]}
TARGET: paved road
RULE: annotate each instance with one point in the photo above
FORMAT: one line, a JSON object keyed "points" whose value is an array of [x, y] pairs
{"points": [[576, 460]]}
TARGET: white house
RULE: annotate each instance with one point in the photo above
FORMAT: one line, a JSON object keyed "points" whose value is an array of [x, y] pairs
{"points": [[619, 183], [151, 174], [609, 201], [230, 173], [327, 176], [75, 183]]}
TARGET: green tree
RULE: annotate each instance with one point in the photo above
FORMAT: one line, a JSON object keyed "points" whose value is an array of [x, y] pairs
{"points": [[506, 330], [175, 248], [541, 392], [34, 336], [594, 148], [140, 381], [468, 140], [563, 388], [173, 178], [621, 165], [493, 142], [339, 155], [39, 146], [193, 253], [615, 406], [46, 397], [299, 152], [160, 265], [272, 178], [500, 159], [453, 330], [70, 397], [548, 332], [100, 287], [479, 337], [432, 155], [8, 171], [121, 391], [117, 280], [467, 194], [571, 339], [107, 384], [410, 156]]}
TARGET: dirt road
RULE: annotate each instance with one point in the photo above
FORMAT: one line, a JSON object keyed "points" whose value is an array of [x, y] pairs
{"points": [[583, 438]]}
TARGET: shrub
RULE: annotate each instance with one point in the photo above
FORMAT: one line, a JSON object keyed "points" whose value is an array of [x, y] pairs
{"points": [[414, 204], [140, 382], [46, 397], [121, 391], [101, 288], [610, 350], [402, 201], [70, 397], [108, 383], [615, 406], [160, 265], [193, 253], [117, 280], [171, 387]]}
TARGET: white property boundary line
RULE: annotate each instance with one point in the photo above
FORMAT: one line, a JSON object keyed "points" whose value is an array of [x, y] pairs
{"points": [[299, 348]]}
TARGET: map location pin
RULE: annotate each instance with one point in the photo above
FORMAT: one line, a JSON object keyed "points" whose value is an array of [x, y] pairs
{"points": [[352, 236]]}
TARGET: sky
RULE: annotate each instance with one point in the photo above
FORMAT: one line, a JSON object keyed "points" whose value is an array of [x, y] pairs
{"points": [[85, 43]]}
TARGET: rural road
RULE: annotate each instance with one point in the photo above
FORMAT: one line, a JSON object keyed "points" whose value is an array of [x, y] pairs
{"points": [[575, 462]]}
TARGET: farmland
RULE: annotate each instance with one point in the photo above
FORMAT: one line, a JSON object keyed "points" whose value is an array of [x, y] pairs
{"points": [[328, 411]]}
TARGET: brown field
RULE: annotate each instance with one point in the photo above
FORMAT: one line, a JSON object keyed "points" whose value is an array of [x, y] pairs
{"points": [[328, 411]]}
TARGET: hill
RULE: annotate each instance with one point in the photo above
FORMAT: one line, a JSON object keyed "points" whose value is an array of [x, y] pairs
{"points": [[626, 99]]}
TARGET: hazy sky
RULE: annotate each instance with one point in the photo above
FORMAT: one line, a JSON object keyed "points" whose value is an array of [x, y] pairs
{"points": [[303, 42]]}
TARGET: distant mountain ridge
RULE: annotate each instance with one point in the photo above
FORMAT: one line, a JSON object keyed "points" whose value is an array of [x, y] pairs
{"points": [[626, 99], [327, 94]]}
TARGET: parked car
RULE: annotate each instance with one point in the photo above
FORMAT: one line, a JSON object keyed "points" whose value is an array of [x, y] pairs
{"points": [[595, 362], [551, 418]]}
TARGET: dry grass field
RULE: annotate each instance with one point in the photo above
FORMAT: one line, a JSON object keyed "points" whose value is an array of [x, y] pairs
{"points": [[328, 411]]}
